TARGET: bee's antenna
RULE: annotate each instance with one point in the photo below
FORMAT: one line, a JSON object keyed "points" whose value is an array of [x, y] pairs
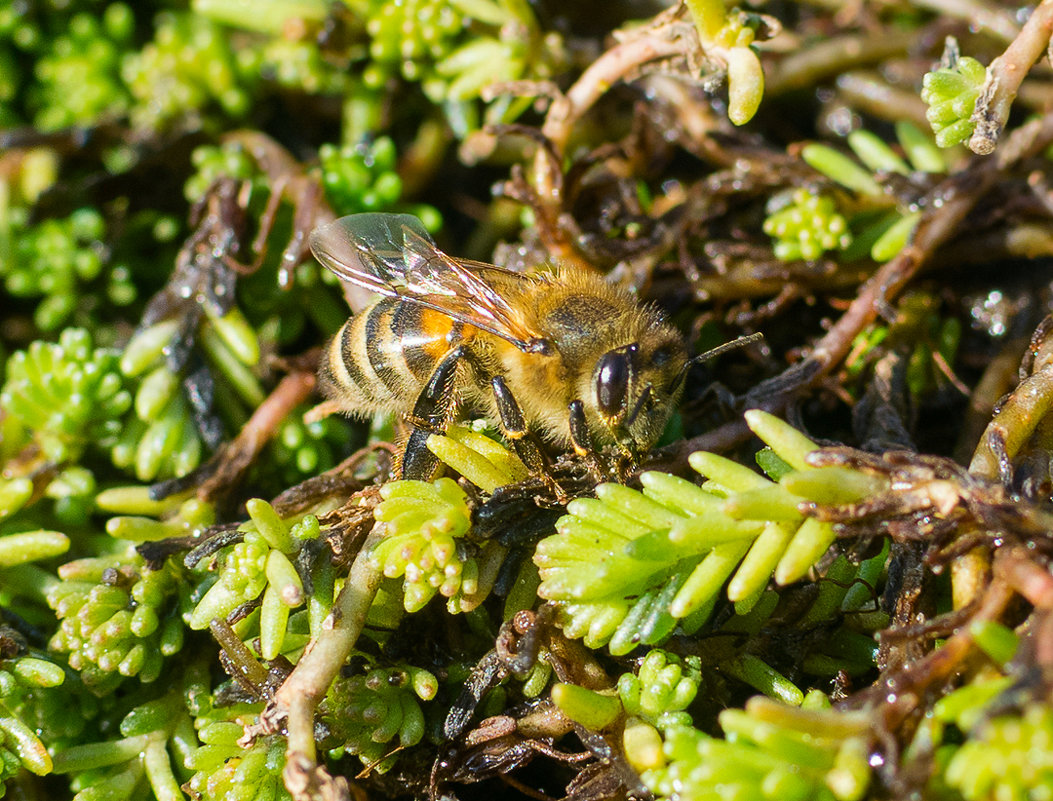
{"points": [[719, 350], [712, 353]]}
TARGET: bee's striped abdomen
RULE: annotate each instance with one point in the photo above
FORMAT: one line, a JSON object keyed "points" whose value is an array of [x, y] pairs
{"points": [[382, 357]]}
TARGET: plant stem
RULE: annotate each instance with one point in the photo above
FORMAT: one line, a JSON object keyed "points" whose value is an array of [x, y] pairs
{"points": [[827, 59], [1004, 76], [979, 15], [299, 695]]}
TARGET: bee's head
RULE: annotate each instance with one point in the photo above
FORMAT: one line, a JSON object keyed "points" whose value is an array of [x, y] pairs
{"points": [[636, 387]]}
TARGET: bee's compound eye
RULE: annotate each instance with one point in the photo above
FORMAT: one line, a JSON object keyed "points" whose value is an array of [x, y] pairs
{"points": [[612, 381]]}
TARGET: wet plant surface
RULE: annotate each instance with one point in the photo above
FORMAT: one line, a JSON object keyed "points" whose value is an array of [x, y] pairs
{"points": [[828, 578]]}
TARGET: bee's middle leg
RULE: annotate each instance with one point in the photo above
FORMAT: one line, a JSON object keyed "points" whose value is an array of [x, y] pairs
{"points": [[514, 427], [431, 414], [526, 445]]}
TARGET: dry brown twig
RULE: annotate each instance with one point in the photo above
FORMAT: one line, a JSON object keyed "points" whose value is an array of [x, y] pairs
{"points": [[234, 458], [1013, 424], [671, 35]]}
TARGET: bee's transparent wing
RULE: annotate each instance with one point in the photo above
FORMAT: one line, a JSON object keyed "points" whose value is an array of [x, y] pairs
{"points": [[367, 249], [393, 255]]}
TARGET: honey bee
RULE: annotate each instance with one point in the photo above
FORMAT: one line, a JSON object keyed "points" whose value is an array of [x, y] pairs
{"points": [[563, 354]]}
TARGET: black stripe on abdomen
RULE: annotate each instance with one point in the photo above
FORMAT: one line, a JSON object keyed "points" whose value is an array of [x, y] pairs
{"points": [[407, 324], [351, 357], [383, 347]]}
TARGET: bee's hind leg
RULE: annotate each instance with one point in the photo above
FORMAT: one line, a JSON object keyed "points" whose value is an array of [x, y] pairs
{"points": [[431, 414], [526, 445]]}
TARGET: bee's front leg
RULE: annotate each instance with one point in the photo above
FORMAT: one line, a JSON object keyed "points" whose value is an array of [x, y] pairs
{"points": [[431, 413], [526, 445], [582, 442]]}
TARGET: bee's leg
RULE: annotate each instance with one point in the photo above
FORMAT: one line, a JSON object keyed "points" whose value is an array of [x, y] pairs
{"points": [[579, 430], [514, 427], [430, 415], [582, 442], [526, 445]]}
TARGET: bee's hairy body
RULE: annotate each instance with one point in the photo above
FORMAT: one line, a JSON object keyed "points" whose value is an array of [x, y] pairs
{"points": [[382, 357], [562, 355]]}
